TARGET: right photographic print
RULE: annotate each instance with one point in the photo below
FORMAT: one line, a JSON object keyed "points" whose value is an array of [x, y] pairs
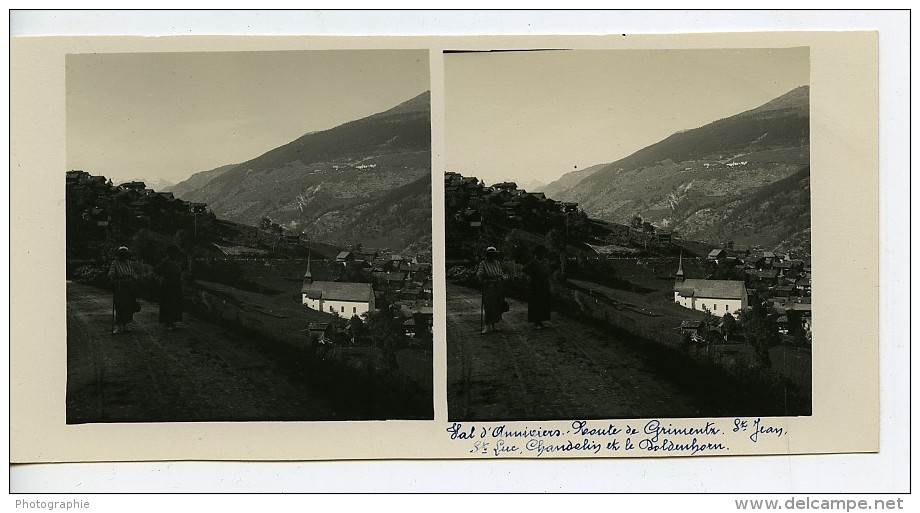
{"points": [[628, 234]]}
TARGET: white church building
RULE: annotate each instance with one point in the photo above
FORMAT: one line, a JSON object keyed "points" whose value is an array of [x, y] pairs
{"points": [[344, 298], [716, 296]]}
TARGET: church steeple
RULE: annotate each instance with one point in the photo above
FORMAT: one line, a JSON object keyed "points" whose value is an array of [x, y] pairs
{"points": [[308, 276], [680, 268]]}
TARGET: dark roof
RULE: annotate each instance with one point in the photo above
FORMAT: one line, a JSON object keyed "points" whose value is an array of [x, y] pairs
{"points": [[337, 290], [763, 275], [717, 289]]}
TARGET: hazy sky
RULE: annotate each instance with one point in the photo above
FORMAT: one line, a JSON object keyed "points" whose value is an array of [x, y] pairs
{"points": [[538, 115], [168, 115]]}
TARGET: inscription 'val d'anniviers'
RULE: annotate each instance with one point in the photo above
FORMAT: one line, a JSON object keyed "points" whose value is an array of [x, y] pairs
{"points": [[586, 438]]}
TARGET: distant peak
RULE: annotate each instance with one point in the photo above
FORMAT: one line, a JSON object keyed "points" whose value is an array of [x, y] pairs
{"points": [[420, 103], [794, 99]]}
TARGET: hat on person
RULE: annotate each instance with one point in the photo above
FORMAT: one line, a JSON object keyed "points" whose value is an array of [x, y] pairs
{"points": [[491, 249]]}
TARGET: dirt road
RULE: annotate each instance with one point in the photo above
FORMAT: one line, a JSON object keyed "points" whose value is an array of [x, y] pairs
{"points": [[565, 371], [197, 373]]}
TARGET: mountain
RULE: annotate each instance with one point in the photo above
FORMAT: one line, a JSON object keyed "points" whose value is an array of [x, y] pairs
{"points": [[158, 184], [743, 178], [325, 183], [569, 180], [182, 189], [529, 184]]}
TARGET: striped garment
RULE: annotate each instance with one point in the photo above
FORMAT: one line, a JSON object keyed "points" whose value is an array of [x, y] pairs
{"points": [[489, 270], [121, 270]]}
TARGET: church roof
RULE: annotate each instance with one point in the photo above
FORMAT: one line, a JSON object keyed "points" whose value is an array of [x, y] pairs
{"points": [[716, 289], [339, 291]]}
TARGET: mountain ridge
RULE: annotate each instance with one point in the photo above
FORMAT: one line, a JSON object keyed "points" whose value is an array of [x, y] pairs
{"points": [[319, 183], [692, 180], [197, 180]]}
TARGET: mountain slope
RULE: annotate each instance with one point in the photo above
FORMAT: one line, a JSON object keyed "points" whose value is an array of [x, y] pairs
{"points": [[321, 183], [197, 181], [569, 180], [695, 180]]}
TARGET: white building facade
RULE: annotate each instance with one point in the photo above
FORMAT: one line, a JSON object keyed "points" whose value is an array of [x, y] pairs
{"points": [[344, 299], [716, 296]]}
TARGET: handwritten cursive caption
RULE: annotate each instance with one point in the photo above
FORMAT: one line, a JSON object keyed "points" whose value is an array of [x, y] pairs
{"points": [[592, 437]]}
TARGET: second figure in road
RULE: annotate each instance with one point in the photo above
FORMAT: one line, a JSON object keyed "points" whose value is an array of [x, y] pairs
{"points": [[539, 296], [490, 275]]}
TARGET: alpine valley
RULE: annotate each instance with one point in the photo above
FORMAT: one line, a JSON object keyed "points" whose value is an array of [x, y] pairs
{"points": [[744, 178], [367, 181]]}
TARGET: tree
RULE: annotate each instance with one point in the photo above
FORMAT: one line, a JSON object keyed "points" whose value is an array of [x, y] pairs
{"points": [[760, 332], [556, 243], [578, 224], [357, 329], [386, 332], [730, 325], [636, 222]]}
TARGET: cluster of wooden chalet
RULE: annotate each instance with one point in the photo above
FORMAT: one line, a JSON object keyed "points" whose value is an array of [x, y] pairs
{"points": [[97, 200], [514, 203]]}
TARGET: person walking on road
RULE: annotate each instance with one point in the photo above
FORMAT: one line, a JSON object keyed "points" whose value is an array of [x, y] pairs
{"points": [[170, 271], [490, 275], [124, 302], [539, 295]]}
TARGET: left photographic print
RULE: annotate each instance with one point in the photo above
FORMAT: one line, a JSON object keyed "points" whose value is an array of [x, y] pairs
{"points": [[248, 236]]}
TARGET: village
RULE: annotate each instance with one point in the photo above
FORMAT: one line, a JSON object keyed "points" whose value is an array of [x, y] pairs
{"points": [[354, 308], [737, 308], [396, 283]]}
